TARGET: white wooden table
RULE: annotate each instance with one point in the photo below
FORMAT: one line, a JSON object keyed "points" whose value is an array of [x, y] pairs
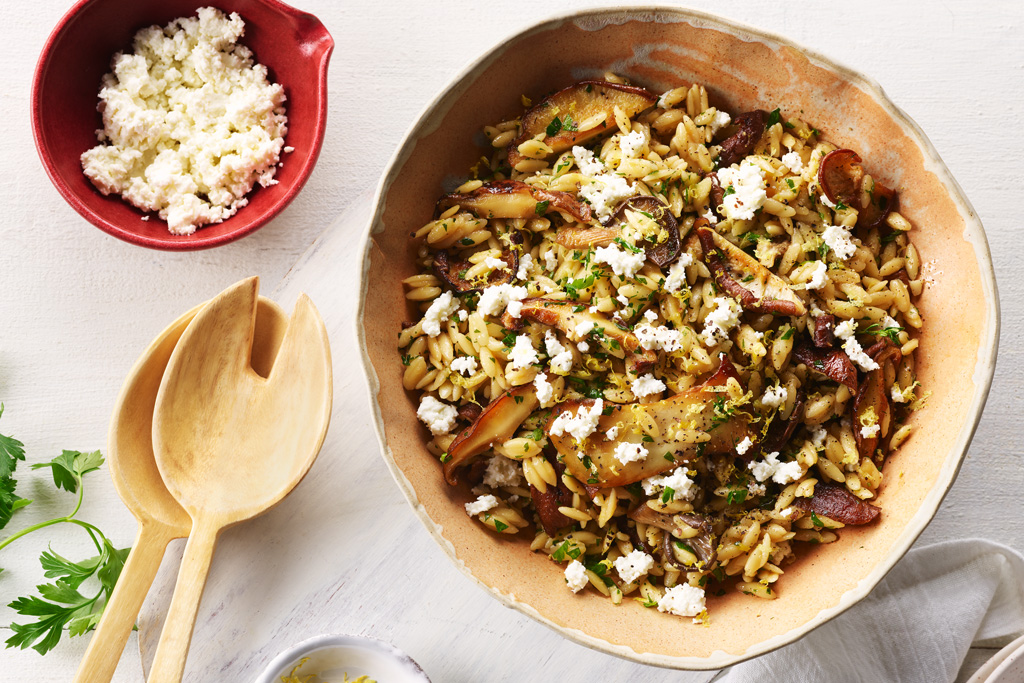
{"points": [[78, 306]]}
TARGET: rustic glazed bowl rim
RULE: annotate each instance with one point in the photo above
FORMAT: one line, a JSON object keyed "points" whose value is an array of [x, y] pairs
{"points": [[283, 663], [973, 233]]}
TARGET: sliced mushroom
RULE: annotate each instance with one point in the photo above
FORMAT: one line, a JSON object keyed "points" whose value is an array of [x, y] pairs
{"points": [[873, 397], [585, 238], [824, 331], [547, 503], [835, 502], [576, 105], [679, 428], [660, 252], [641, 362], [841, 178], [835, 364], [717, 195], [779, 431], [452, 273], [567, 315], [470, 412], [514, 199], [703, 544], [498, 422], [741, 144], [740, 275]]}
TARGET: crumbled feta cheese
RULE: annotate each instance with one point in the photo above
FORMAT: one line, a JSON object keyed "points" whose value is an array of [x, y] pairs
{"points": [[888, 322], [779, 472], [550, 260], [710, 216], [437, 415], [464, 365], [647, 385], [756, 489], [845, 330], [481, 505], [440, 309], [584, 328], [838, 240], [602, 190], [653, 338], [681, 484], [583, 347], [593, 309], [502, 471], [826, 201], [579, 426], [523, 354], [627, 452], [898, 395], [545, 392], [190, 123], [793, 162], [634, 565], [612, 433], [748, 191], [462, 314], [682, 600], [632, 144], [677, 273], [561, 357], [775, 396], [662, 101], [819, 276], [623, 263], [818, 435], [870, 431], [515, 309], [497, 297], [576, 576], [622, 299], [722, 318], [495, 263], [525, 266], [586, 162], [719, 121], [650, 315], [743, 446]]}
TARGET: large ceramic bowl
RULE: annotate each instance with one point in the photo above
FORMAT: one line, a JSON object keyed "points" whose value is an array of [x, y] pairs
{"points": [[743, 68]]}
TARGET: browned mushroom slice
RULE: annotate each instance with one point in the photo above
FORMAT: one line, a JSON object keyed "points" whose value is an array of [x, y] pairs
{"points": [[452, 273], [514, 199], [470, 412], [666, 245], [740, 275], [498, 422], [824, 331], [560, 115], [687, 424], [641, 362], [547, 503], [835, 502], [779, 431], [881, 202], [741, 144], [717, 195], [835, 365], [567, 315], [841, 178], [872, 399], [703, 544]]}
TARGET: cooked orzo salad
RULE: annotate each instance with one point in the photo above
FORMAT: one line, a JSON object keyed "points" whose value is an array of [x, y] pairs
{"points": [[671, 342]]}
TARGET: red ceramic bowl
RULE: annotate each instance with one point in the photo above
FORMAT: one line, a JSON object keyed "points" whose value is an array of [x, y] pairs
{"points": [[294, 46]]}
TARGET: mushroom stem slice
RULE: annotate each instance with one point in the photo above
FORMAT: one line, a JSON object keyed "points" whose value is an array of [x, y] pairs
{"points": [[739, 274], [672, 431], [834, 364], [835, 502], [514, 199], [872, 400], [751, 126], [584, 238], [567, 316], [451, 272], [703, 544], [498, 422], [575, 106], [663, 245]]}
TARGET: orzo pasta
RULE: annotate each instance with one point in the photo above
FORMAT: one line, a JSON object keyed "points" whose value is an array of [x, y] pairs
{"points": [[669, 342]]}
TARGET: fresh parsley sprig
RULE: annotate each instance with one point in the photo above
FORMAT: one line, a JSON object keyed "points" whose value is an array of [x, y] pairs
{"points": [[63, 603]]}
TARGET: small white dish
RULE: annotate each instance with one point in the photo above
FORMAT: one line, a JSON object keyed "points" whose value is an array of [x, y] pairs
{"points": [[985, 673], [331, 656]]}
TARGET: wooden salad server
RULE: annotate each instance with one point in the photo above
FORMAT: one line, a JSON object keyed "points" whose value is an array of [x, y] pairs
{"points": [[231, 442], [133, 468]]}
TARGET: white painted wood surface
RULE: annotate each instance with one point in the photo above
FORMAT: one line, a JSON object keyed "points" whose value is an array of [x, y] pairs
{"points": [[78, 307]]}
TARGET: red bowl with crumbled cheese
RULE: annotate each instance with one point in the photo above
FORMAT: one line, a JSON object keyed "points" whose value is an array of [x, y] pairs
{"points": [[293, 45]]}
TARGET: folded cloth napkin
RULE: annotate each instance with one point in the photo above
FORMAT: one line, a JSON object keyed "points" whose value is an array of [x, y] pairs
{"points": [[915, 626]]}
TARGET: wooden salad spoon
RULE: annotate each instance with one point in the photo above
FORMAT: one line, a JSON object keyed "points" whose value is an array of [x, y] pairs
{"points": [[133, 468], [231, 442]]}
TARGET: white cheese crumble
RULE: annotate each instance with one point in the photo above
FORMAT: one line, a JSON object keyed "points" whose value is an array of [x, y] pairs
{"points": [[481, 505], [870, 431], [561, 357], [623, 263], [464, 365], [748, 191], [818, 435], [722, 318], [779, 472], [681, 484], [682, 600], [582, 329], [495, 263], [819, 276], [579, 426], [612, 433], [650, 315], [677, 273], [502, 471], [627, 452], [494, 299], [550, 260], [793, 162], [440, 309], [632, 144], [545, 392], [634, 565], [437, 415], [190, 122], [653, 338], [583, 347], [602, 190], [839, 241], [719, 121], [523, 354], [743, 446], [461, 315], [525, 266], [775, 396], [648, 385], [515, 309], [845, 330], [898, 394], [576, 576], [710, 216], [622, 299]]}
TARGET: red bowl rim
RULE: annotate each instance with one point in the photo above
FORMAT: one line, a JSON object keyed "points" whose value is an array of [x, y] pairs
{"points": [[175, 243]]}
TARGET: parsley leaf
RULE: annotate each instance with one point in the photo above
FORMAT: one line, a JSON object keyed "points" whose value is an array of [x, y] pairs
{"points": [[773, 118], [70, 466], [554, 127], [542, 207]]}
